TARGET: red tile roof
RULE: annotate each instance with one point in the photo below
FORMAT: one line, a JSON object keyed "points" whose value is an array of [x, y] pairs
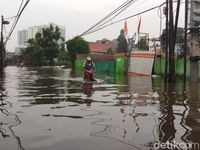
{"points": [[102, 48]]}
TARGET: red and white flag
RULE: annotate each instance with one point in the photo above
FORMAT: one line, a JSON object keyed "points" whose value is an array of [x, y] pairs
{"points": [[125, 29], [139, 25]]}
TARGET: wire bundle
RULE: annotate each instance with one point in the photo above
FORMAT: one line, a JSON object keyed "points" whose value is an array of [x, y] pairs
{"points": [[109, 17], [105, 21], [19, 12]]}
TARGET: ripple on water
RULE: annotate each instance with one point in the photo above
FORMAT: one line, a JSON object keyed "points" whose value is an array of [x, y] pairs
{"points": [[47, 108]]}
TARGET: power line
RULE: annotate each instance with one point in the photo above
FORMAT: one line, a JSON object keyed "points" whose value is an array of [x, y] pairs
{"points": [[126, 18], [9, 18], [128, 5], [109, 15], [17, 15], [19, 12], [106, 17]]}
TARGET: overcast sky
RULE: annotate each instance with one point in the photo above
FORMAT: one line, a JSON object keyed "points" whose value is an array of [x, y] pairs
{"points": [[78, 15]]}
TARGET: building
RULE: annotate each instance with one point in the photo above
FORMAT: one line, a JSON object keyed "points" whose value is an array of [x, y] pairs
{"points": [[22, 38], [30, 33], [103, 46]]}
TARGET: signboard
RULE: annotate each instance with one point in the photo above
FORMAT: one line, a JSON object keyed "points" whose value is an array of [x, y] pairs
{"points": [[141, 62]]}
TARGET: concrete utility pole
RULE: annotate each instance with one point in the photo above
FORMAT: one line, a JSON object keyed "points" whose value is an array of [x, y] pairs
{"points": [[2, 47], [171, 34], [185, 40], [167, 36], [194, 39], [171, 74]]}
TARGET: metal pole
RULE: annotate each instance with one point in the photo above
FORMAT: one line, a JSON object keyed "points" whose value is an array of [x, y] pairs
{"points": [[173, 33], [166, 31], [1, 46], [176, 21], [185, 39], [171, 43]]}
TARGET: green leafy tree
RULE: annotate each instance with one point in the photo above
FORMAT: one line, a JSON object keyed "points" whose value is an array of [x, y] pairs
{"points": [[76, 46], [33, 53], [143, 45], [44, 47], [122, 42], [15, 59], [49, 43], [63, 56], [179, 37]]}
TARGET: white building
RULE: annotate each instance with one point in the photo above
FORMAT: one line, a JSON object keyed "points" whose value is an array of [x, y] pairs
{"points": [[22, 38], [24, 35]]}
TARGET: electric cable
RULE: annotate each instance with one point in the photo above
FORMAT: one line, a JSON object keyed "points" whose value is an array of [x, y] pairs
{"points": [[109, 15], [9, 18], [126, 18], [102, 27], [17, 19], [128, 5], [17, 15], [113, 12]]}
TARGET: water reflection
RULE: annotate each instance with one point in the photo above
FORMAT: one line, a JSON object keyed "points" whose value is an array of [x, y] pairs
{"points": [[2, 105], [88, 90], [43, 85], [8, 120], [119, 113], [192, 121], [167, 129], [179, 105]]}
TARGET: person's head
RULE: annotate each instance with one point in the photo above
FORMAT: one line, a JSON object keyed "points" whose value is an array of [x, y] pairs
{"points": [[89, 59]]}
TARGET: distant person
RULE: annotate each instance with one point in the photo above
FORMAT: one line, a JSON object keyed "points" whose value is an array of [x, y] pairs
{"points": [[89, 64], [89, 68]]}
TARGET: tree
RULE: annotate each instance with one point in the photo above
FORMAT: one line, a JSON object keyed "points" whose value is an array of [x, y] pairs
{"points": [[179, 38], [142, 44], [15, 60], [109, 51], [122, 42], [63, 56], [76, 46], [49, 43], [42, 49], [33, 53]]}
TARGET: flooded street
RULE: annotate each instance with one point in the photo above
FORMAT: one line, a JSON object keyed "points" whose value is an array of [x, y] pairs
{"points": [[53, 109]]}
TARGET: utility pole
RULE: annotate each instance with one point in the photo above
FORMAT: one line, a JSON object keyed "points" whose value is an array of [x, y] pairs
{"points": [[167, 36], [194, 39], [171, 32], [185, 39], [2, 42], [2, 47], [176, 22], [171, 75]]}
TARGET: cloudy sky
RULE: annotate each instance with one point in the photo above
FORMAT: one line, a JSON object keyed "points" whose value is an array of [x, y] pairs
{"points": [[78, 15]]}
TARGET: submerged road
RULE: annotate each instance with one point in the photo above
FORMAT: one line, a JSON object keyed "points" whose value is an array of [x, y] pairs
{"points": [[53, 109]]}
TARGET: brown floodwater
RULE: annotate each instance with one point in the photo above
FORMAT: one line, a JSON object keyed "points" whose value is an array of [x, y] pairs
{"points": [[53, 109]]}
